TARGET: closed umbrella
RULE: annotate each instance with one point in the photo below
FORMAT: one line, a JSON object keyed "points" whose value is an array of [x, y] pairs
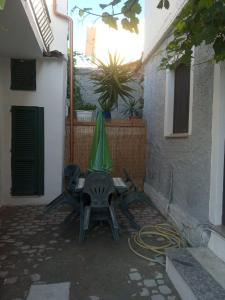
{"points": [[2, 4], [100, 158]]}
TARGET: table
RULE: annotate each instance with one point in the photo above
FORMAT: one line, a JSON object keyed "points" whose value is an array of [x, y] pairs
{"points": [[119, 185]]}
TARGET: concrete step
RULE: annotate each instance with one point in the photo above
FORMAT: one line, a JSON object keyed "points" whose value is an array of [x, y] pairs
{"points": [[196, 273], [217, 241]]}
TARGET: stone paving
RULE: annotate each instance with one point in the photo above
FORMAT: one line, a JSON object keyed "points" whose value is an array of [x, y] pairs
{"points": [[37, 249]]}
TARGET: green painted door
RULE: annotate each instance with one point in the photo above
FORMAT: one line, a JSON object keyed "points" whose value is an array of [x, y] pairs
{"points": [[27, 160]]}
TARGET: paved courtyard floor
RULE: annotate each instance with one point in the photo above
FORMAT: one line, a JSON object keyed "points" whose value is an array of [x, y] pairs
{"points": [[37, 253]]}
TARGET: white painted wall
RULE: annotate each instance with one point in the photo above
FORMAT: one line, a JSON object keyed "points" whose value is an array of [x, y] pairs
{"points": [[218, 144], [157, 21], [59, 26], [50, 94]]}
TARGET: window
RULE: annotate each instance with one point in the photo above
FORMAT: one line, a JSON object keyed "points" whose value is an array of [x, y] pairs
{"points": [[23, 74], [181, 99], [27, 158], [178, 102]]}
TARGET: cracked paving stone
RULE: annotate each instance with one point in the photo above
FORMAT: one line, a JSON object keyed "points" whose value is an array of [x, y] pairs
{"points": [[11, 280], [150, 283], [144, 292], [158, 297], [135, 276], [165, 290]]}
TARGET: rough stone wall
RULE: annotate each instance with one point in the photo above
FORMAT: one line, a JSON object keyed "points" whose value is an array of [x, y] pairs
{"points": [[83, 75], [178, 169]]}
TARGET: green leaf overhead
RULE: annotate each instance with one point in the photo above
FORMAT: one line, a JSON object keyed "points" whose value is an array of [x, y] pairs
{"points": [[127, 15], [109, 20], [201, 21]]}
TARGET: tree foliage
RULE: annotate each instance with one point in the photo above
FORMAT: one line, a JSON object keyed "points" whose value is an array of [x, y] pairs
{"points": [[201, 21], [127, 16]]}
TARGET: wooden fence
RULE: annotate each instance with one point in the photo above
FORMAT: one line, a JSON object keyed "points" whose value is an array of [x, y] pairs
{"points": [[127, 142]]}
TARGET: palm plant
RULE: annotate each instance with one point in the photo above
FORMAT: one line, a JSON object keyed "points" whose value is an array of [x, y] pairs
{"points": [[111, 82], [132, 108]]}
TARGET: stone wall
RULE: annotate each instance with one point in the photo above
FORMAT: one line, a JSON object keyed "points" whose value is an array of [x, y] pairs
{"points": [[178, 169]]}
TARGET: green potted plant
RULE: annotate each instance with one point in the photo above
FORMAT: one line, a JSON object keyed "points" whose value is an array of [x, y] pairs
{"points": [[111, 81], [132, 109]]}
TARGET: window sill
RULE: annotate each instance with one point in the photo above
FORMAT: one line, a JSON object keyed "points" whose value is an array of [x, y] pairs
{"points": [[177, 135]]}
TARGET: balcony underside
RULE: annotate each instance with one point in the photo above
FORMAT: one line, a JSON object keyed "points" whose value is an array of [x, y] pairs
{"points": [[17, 36]]}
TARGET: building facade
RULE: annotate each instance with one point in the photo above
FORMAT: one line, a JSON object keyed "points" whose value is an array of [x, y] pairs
{"points": [[184, 110], [32, 101]]}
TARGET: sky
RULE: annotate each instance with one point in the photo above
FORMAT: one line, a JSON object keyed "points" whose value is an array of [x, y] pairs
{"points": [[128, 45]]}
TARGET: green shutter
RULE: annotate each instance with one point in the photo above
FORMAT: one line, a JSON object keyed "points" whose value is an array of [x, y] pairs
{"points": [[27, 161]]}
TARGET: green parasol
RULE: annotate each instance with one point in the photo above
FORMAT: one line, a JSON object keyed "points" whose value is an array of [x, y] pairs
{"points": [[2, 4], [100, 159]]}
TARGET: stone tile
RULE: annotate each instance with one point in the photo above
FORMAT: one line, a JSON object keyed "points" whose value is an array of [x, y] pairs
{"points": [[144, 292], [57, 291], [35, 277], [135, 276], [157, 297], [165, 290], [3, 274], [3, 257], [11, 280], [150, 283], [133, 270], [160, 281]]}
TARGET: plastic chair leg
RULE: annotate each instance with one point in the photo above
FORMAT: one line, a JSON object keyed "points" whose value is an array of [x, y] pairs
{"points": [[87, 214]]}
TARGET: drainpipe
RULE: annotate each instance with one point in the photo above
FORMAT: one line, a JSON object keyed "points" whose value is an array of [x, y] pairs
{"points": [[70, 23]]}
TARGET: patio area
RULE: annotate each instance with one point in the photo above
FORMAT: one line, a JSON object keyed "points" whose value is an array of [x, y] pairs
{"points": [[36, 249]]}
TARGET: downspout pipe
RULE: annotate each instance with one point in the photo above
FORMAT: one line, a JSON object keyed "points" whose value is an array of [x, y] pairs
{"points": [[71, 115]]}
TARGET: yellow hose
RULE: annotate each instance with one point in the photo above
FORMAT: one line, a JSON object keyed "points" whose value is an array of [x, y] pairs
{"points": [[169, 238]]}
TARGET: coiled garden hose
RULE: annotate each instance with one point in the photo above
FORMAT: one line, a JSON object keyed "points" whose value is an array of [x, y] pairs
{"points": [[155, 239]]}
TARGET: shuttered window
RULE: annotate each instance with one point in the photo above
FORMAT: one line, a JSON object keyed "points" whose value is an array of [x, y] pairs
{"points": [[23, 74], [27, 160], [181, 99]]}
